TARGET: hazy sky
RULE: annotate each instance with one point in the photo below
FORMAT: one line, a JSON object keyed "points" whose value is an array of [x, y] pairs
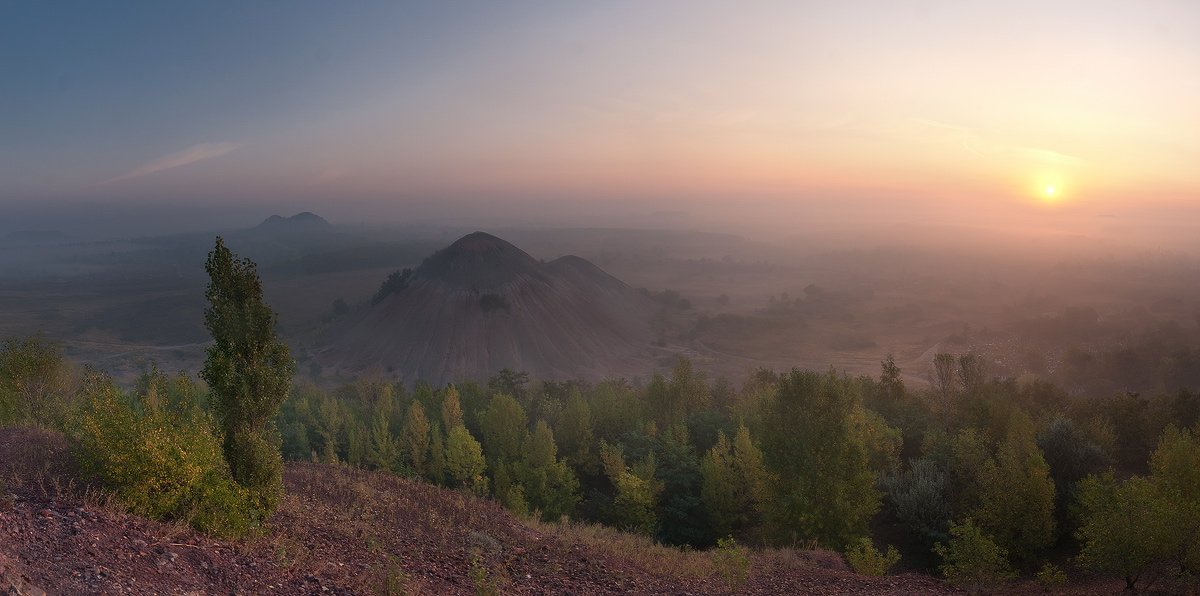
{"points": [[357, 109]]}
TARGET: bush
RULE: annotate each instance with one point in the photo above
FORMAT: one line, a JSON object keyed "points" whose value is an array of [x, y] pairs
{"points": [[972, 560], [33, 383], [867, 560], [918, 496], [1051, 577], [732, 563], [162, 457]]}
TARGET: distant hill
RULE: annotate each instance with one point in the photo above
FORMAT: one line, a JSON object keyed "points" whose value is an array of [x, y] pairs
{"points": [[301, 222], [482, 304]]}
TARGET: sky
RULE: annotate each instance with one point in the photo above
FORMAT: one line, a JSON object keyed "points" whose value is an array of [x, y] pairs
{"points": [[1020, 113]]}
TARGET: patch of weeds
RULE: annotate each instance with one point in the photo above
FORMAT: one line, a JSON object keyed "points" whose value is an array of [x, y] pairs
{"points": [[480, 578], [287, 552], [483, 542], [373, 544], [1051, 577], [869, 561], [395, 579], [732, 562]]}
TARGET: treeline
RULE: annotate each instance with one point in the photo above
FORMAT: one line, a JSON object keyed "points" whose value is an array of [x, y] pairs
{"points": [[979, 477], [798, 458]]}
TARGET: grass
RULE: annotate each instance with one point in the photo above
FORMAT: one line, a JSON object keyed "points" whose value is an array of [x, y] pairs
{"points": [[633, 548]]}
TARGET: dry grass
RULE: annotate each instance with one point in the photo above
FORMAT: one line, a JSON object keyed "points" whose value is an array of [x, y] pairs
{"points": [[634, 549]]}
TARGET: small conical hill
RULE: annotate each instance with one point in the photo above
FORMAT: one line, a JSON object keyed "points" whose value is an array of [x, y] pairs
{"points": [[481, 305]]}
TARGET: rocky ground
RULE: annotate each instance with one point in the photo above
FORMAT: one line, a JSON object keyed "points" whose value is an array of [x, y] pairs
{"points": [[344, 531]]}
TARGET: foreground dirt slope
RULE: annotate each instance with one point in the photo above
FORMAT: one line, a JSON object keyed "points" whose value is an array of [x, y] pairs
{"points": [[343, 531]]}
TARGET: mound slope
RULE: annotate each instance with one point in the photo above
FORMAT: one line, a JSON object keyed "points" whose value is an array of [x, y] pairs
{"points": [[482, 304], [350, 532]]}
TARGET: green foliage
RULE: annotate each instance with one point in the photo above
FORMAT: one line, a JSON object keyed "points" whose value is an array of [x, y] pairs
{"points": [[33, 384], [415, 438], [672, 402], [504, 429], [882, 442], [1175, 471], [682, 516], [574, 434], [481, 580], [550, 485], [734, 488], [1128, 528], [162, 458], [1050, 577], [249, 373], [1071, 457], [821, 481], [1125, 526], [918, 498], [1016, 495], [384, 453], [973, 561], [865, 559], [732, 563], [464, 460], [637, 490]]}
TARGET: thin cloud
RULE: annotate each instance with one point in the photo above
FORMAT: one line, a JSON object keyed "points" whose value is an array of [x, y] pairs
{"points": [[937, 124], [1049, 157], [193, 154], [328, 175]]}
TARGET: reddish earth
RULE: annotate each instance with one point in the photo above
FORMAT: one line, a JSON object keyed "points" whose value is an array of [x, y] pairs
{"points": [[345, 531], [482, 305]]}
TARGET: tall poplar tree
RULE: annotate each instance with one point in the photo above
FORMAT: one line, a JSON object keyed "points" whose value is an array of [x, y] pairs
{"points": [[249, 374]]}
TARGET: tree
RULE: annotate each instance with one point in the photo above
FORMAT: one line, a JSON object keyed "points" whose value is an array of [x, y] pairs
{"points": [[943, 380], [972, 372], [464, 460], [504, 432], [574, 434], [637, 489], [734, 484], [973, 560], [452, 414], [1145, 522], [550, 485], [1124, 528], [918, 499], [249, 374], [821, 481], [31, 380], [385, 449], [416, 437], [1016, 498]]}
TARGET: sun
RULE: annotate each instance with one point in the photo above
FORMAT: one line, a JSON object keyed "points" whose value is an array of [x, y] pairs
{"points": [[1049, 191]]}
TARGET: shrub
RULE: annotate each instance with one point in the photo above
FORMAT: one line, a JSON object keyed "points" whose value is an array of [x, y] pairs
{"points": [[161, 457], [1051, 577], [919, 498], [972, 559], [33, 382], [732, 562], [867, 560], [478, 572]]}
